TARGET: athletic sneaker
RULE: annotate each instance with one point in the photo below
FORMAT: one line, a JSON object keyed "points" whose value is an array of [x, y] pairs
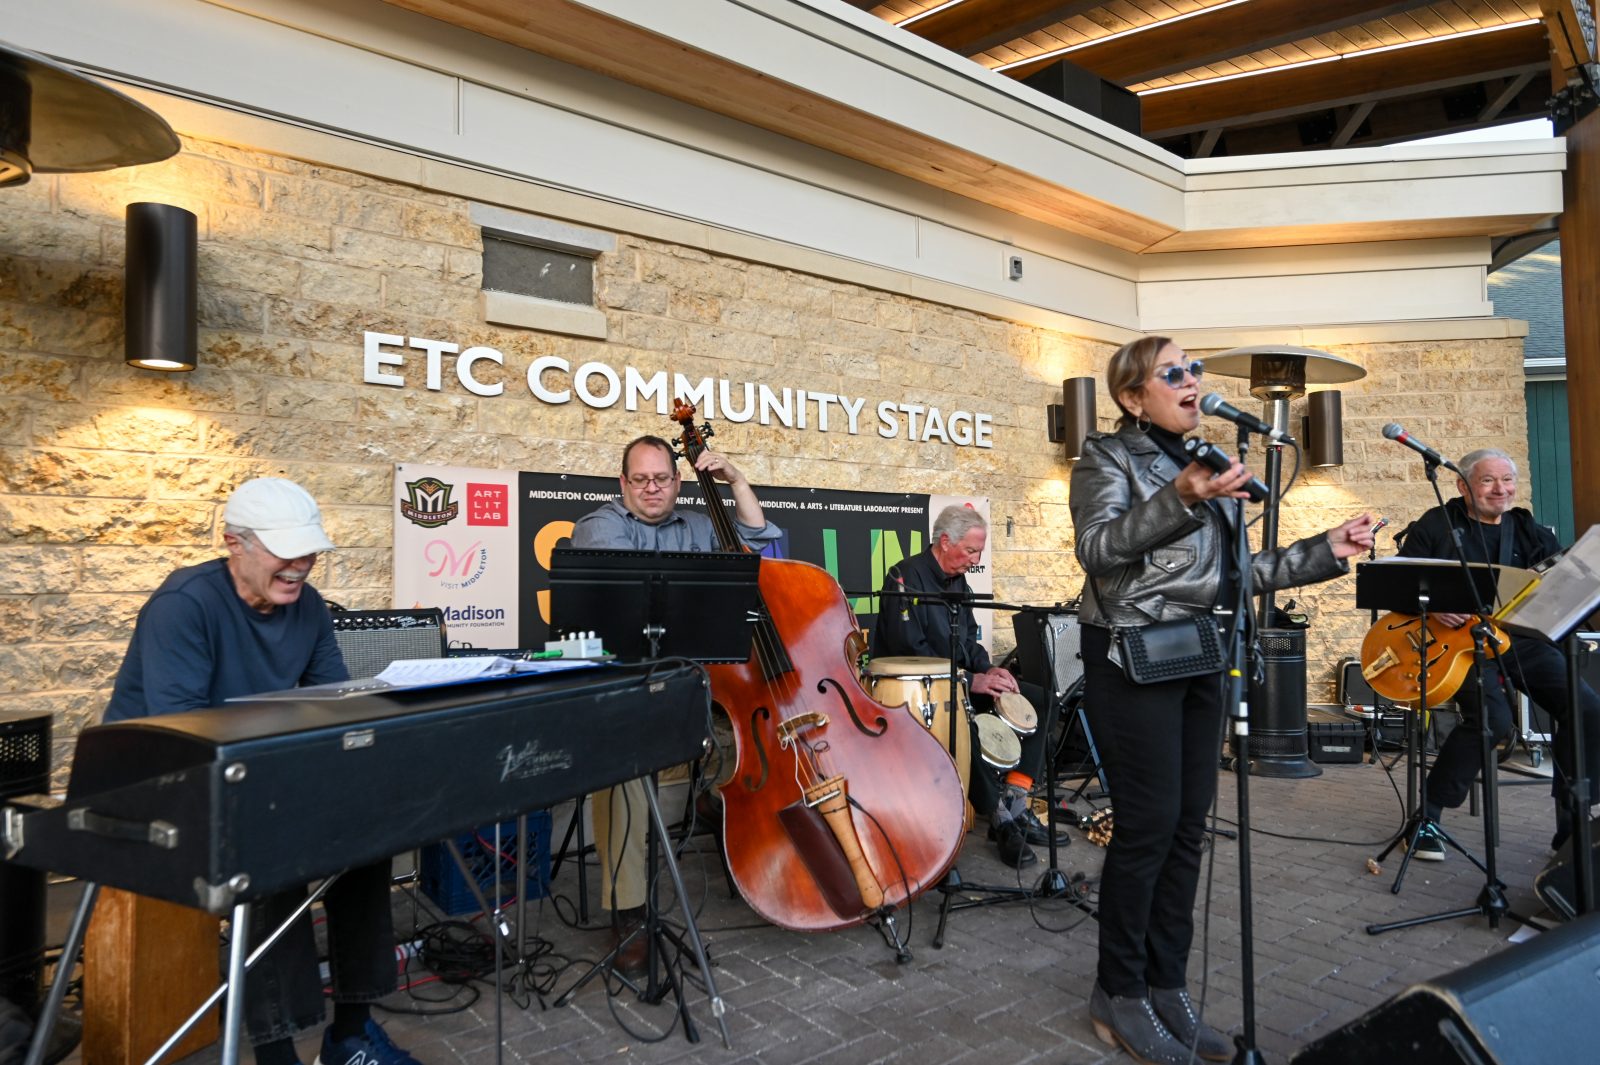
{"points": [[371, 1047], [1430, 848]]}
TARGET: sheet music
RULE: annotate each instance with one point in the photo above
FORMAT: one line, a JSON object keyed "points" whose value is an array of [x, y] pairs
{"points": [[1566, 592], [423, 673]]}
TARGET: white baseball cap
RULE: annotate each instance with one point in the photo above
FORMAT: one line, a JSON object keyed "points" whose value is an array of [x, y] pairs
{"points": [[282, 515]]}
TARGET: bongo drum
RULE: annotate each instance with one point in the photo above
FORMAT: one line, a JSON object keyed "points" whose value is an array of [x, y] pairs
{"points": [[1014, 709]]}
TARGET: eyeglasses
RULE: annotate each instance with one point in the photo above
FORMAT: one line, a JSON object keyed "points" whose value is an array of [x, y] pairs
{"points": [[1173, 375], [660, 480]]}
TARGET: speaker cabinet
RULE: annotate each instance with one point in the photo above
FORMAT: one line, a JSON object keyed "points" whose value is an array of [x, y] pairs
{"points": [[1089, 93], [371, 639], [1530, 1004], [1043, 639]]}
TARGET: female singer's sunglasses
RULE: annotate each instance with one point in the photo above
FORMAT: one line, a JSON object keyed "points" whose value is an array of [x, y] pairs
{"points": [[1173, 375]]}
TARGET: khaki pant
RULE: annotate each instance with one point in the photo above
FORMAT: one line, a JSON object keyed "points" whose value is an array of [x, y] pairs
{"points": [[621, 816]]}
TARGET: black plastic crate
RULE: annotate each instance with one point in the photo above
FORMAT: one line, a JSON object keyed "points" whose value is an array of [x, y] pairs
{"points": [[1336, 742]]}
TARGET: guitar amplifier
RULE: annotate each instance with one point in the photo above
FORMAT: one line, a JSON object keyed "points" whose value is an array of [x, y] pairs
{"points": [[1035, 655], [371, 639]]}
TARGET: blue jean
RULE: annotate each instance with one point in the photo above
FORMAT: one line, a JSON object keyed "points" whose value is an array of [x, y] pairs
{"points": [[283, 992]]}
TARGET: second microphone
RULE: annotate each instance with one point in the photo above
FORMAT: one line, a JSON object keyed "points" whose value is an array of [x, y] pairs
{"points": [[1212, 456]]}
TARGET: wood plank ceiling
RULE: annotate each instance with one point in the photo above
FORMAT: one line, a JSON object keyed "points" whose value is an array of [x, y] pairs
{"points": [[1232, 77]]}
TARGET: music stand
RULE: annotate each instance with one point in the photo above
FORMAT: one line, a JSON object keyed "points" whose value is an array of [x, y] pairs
{"points": [[654, 604], [1555, 610], [716, 592], [1422, 587]]}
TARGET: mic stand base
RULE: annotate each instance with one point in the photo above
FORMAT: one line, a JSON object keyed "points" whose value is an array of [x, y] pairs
{"points": [[1491, 904], [1052, 882]]}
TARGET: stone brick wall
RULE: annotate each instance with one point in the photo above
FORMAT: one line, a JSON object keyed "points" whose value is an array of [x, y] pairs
{"points": [[110, 477]]}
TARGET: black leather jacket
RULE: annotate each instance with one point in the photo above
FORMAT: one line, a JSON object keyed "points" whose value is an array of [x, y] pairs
{"points": [[1149, 557]]}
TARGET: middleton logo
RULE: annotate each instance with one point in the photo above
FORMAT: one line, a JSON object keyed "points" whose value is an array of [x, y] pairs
{"points": [[429, 505]]}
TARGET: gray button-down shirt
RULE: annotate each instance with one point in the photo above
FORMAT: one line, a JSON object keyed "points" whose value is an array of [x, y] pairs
{"points": [[614, 527]]}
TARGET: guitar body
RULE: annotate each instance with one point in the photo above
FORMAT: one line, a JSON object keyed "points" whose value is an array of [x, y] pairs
{"points": [[1392, 653]]}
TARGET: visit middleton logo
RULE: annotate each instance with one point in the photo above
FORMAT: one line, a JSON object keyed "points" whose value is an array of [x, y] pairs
{"points": [[429, 505]]}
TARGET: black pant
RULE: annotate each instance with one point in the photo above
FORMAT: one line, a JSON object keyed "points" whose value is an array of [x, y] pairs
{"points": [[988, 782], [1159, 745], [1539, 669], [283, 993]]}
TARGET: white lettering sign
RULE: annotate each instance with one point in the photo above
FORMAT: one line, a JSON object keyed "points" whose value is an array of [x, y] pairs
{"points": [[551, 379]]}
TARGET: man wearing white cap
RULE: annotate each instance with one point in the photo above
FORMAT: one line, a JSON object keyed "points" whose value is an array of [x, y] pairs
{"points": [[242, 625]]}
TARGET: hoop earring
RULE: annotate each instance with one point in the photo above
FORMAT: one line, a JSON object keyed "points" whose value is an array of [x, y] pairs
{"points": [[1143, 423]]}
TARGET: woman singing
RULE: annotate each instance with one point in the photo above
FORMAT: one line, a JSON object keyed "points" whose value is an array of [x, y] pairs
{"points": [[1153, 531]]}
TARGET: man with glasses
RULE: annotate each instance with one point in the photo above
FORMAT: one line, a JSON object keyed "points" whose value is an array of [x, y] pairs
{"points": [[247, 624], [646, 518], [1492, 530]]}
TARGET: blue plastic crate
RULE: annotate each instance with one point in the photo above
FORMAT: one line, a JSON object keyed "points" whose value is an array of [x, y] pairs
{"points": [[441, 878]]}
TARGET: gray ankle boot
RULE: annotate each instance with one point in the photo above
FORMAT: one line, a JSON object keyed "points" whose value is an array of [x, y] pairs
{"points": [[1131, 1023], [1177, 1012]]}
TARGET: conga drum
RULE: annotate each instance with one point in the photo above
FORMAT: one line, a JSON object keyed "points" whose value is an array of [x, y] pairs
{"points": [[922, 684]]}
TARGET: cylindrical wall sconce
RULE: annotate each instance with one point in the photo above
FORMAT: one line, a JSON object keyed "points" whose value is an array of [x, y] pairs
{"points": [[159, 288], [1073, 418], [1323, 428]]}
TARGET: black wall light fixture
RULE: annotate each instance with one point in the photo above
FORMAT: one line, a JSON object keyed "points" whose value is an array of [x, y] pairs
{"points": [[1073, 418], [1322, 428], [159, 288]]}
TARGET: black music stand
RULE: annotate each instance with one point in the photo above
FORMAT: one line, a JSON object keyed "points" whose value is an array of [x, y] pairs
{"points": [[1573, 592], [1424, 587], [646, 605], [699, 605]]}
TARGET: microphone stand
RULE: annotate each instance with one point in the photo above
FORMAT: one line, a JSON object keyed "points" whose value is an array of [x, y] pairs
{"points": [[1051, 883], [1491, 901], [1235, 704]]}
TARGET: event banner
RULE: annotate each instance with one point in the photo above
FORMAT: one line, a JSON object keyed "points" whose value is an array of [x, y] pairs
{"points": [[477, 543]]}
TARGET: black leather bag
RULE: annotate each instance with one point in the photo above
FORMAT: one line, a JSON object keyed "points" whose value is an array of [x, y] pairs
{"points": [[1170, 650]]}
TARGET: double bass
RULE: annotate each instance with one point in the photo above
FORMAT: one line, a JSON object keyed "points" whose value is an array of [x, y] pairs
{"points": [[839, 808]]}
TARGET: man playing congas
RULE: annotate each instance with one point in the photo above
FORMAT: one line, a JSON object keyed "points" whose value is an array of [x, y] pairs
{"points": [[922, 627]]}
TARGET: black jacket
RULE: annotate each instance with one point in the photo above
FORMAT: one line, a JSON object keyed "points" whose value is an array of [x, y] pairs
{"points": [[1429, 536], [907, 627]]}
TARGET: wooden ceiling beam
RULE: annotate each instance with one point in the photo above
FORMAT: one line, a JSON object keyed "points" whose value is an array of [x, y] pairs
{"points": [[1390, 122], [1232, 31], [978, 25], [1240, 101]]}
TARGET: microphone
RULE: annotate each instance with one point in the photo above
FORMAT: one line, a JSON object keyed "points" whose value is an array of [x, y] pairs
{"points": [[1400, 436], [1212, 456], [1213, 403], [1380, 523]]}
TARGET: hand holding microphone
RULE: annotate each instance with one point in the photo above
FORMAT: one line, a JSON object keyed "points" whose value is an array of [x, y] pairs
{"points": [[1217, 460]]}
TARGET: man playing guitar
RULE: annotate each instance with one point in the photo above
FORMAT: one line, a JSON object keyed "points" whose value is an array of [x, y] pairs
{"points": [[1492, 530]]}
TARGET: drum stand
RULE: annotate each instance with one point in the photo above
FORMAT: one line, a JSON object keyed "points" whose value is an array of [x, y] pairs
{"points": [[1052, 884]]}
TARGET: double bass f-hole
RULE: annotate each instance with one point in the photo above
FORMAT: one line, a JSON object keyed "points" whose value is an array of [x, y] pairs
{"points": [[850, 707]]}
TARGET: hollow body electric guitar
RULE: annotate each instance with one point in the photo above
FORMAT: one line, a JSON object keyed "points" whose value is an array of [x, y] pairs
{"points": [[1394, 648], [839, 808]]}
